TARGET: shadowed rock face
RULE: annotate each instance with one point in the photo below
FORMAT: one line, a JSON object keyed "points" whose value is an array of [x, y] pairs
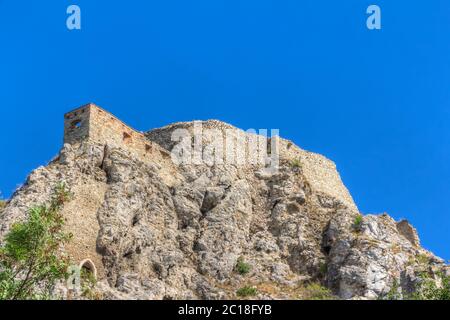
{"points": [[409, 232], [159, 231]]}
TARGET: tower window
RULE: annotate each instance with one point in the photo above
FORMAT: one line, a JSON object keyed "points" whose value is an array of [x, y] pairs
{"points": [[126, 137], [75, 124]]}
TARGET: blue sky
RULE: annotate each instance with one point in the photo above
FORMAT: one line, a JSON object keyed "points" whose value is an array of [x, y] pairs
{"points": [[376, 102]]}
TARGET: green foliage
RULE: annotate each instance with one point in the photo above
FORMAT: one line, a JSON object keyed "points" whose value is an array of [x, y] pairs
{"points": [[394, 293], [358, 222], [30, 259], [296, 164], [423, 259], [88, 282], [242, 267], [323, 269], [60, 196], [428, 289], [247, 291], [315, 291]]}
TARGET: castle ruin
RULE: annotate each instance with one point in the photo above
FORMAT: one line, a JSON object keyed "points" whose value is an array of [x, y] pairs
{"points": [[92, 123]]}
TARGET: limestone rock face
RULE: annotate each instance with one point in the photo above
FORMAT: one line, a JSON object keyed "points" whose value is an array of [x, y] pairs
{"points": [[409, 232], [156, 230]]}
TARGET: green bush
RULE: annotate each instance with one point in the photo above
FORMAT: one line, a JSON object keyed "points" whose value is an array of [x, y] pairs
{"points": [[357, 222], [88, 282], [2, 205], [242, 267], [295, 163], [247, 291], [427, 289], [30, 260], [315, 291], [423, 259], [394, 293]]}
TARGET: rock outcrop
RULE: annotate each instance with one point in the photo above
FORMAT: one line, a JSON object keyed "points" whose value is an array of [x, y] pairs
{"points": [[155, 230]]}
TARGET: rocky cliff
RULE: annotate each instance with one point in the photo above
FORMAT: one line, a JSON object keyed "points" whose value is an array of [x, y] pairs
{"points": [[156, 230]]}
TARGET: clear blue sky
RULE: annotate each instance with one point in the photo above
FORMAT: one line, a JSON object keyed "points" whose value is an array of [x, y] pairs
{"points": [[376, 102]]}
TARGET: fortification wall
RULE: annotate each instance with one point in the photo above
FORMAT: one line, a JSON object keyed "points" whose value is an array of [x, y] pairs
{"points": [[323, 177], [81, 221], [76, 125], [92, 123], [320, 172]]}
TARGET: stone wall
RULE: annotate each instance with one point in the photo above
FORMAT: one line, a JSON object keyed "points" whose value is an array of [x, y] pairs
{"points": [[81, 221], [320, 173], [76, 125], [323, 177], [93, 123]]}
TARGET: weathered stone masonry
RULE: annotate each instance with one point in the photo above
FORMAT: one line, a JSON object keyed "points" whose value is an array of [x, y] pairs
{"points": [[95, 125], [92, 123]]}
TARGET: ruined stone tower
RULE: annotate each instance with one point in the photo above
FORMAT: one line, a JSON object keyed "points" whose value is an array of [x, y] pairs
{"points": [[92, 123]]}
